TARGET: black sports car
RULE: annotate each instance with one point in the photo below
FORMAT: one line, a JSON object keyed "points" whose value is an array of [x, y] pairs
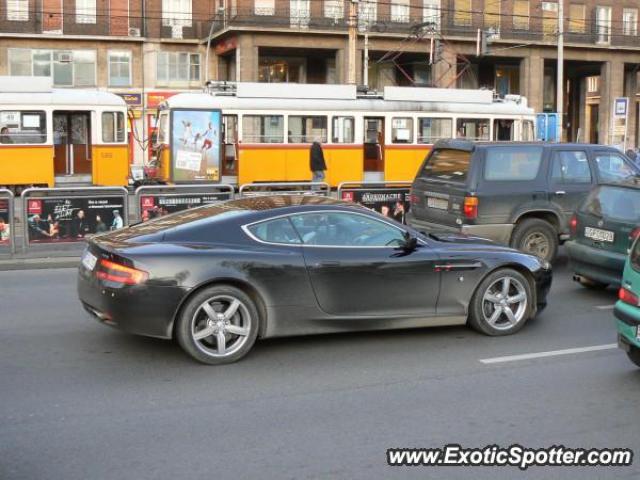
{"points": [[220, 276]]}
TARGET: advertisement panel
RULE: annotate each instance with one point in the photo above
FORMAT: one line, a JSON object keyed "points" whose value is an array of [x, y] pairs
{"points": [[196, 145], [71, 219], [5, 223], [388, 201], [158, 205]]}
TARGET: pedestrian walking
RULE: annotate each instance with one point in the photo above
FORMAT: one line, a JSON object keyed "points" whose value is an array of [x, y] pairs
{"points": [[317, 164]]}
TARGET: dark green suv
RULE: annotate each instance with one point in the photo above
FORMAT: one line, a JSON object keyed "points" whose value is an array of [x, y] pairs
{"points": [[603, 228]]}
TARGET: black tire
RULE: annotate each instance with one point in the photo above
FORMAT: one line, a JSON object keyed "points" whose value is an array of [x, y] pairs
{"points": [[193, 319], [480, 308], [592, 284], [634, 356], [529, 235]]}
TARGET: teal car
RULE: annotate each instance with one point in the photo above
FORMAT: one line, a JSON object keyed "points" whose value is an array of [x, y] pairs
{"points": [[627, 309], [602, 231]]}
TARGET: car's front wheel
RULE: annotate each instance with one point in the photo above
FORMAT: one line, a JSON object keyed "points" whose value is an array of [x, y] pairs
{"points": [[501, 304], [218, 325], [634, 355]]}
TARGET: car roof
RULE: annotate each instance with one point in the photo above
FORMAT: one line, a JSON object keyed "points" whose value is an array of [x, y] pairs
{"points": [[469, 145]]}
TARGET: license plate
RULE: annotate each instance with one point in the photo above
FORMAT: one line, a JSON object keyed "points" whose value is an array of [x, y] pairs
{"points": [[598, 234], [439, 203], [89, 261]]}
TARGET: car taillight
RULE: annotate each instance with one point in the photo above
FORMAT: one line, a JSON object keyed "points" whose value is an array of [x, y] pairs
{"points": [[573, 225], [470, 207], [635, 233], [118, 273], [628, 297]]}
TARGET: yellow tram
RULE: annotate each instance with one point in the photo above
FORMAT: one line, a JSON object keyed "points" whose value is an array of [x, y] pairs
{"points": [[51, 137], [265, 130]]}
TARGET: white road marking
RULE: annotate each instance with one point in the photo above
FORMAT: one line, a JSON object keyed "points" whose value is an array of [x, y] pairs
{"points": [[606, 307], [552, 353]]}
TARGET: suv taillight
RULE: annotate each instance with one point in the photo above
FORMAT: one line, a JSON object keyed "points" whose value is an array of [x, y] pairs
{"points": [[573, 226], [118, 273], [470, 207], [628, 296]]}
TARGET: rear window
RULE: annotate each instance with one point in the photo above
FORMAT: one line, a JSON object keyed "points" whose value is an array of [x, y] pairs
{"points": [[616, 203], [447, 164], [512, 163]]}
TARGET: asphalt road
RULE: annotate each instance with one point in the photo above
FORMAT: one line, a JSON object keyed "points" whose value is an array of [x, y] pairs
{"points": [[81, 401]]}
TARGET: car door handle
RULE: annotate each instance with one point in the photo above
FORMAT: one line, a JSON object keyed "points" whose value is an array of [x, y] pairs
{"points": [[561, 193]]}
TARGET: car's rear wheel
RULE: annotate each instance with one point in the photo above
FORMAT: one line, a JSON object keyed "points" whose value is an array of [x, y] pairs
{"points": [[634, 355], [537, 237], [218, 325], [501, 304]]}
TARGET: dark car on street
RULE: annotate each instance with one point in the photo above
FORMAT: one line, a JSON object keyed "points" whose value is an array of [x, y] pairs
{"points": [[220, 276], [603, 229], [518, 194]]}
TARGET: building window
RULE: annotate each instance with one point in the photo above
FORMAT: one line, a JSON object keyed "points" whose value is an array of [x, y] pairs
{"points": [[112, 127], [334, 9], [85, 11], [119, 68], [281, 70], [549, 20], [400, 11], [521, 14], [431, 13], [178, 68], [402, 130], [18, 10], [176, 13], [462, 14], [303, 129], [630, 21], [592, 84], [492, 15], [264, 7], [69, 68], [603, 24], [299, 13], [367, 14], [577, 22]]}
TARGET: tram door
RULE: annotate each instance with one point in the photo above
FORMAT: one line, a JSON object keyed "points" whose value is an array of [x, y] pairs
{"points": [[373, 147], [72, 143]]}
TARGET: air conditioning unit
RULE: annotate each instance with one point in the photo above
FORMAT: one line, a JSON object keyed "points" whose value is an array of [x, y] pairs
{"points": [[134, 32], [65, 57]]}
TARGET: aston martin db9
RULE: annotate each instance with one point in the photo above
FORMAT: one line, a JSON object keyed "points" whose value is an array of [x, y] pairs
{"points": [[218, 277]]}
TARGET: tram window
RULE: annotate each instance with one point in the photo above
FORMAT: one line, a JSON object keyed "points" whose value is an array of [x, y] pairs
{"points": [[230, 123], [343, 130], [263, 128], [503, 130], [402, 130], [112, 127], [23, 127], [433, 129], [473, 128], [527, 131], [307, 129]]}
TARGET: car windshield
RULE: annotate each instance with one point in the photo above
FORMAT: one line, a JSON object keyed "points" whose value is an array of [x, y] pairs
{"points": [[448, 164], [617, 203]]}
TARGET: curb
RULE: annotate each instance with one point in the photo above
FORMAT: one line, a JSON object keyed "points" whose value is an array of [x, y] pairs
{"points": [[38, 263]]}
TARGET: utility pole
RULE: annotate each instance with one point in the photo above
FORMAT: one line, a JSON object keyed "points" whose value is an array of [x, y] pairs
{"points": [[353, 41], [560, 85]]}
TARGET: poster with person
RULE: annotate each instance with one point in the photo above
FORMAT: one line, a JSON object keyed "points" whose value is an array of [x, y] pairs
{"points": [[390, 202], [52, 220], [5, 223], [158, 205], [196, 145]]}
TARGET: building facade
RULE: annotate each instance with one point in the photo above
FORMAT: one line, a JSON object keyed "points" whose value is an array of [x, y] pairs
{"points": [[149, 50]]}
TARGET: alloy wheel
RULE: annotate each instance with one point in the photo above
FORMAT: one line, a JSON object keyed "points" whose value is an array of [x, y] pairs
{"points": [[504, 303]]}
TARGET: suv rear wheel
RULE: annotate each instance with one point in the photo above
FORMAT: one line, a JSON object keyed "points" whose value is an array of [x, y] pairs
{"points": [[537, 237]]}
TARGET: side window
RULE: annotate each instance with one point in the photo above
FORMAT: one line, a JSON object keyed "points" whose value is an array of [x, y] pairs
{"points": [[263, 129], [23, 127], [402, 130], [279, 230], [343, 130], [512, 163], [432, 129], [472, 128], [570, 167], [345, 230], [612, 167], [112, 127]]}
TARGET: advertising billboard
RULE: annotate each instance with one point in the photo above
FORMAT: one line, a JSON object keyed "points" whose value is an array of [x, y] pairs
{"points": [[158, 205], [5, 223], [196, 145], [391, 202], [60, 220]]}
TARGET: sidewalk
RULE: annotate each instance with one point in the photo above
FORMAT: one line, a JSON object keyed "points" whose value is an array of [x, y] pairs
{"points": [[39, 260]]}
